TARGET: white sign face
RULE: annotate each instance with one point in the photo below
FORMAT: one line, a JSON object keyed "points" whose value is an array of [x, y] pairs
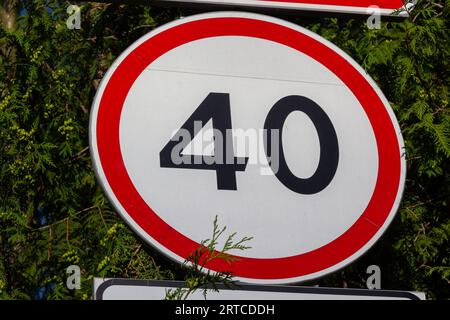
{"points": [[130, 289], [365, 7], [260, 122]]}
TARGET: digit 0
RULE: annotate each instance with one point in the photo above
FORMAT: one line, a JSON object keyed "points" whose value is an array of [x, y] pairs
{"points": [[329, 150]]}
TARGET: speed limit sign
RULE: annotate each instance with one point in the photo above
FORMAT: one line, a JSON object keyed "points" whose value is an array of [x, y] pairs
{"points": [[257, 121]]}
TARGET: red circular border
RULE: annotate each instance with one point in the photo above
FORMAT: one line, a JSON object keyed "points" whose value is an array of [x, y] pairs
{"points": [[108, 120]]}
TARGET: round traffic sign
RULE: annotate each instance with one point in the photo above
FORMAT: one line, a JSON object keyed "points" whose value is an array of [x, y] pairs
{"points": [[258, 121]]}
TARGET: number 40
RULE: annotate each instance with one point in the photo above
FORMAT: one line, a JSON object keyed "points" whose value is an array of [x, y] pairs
{"points": [[216, 107]]}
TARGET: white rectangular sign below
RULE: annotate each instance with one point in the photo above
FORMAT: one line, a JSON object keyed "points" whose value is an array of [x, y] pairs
{"points": [[132, 289]]}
